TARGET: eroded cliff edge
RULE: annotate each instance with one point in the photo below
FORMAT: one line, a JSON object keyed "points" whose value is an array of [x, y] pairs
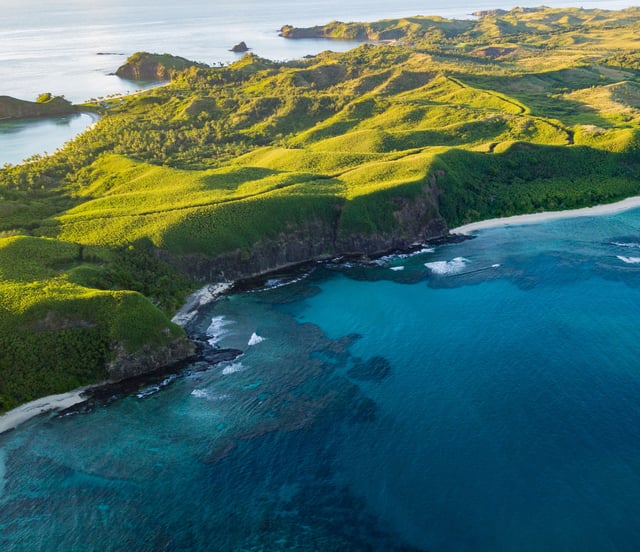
{"points": [[416, 220]]}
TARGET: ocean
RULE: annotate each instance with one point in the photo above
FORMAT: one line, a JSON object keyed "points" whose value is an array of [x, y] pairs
{"points": [[482, 395], [72, 48]]}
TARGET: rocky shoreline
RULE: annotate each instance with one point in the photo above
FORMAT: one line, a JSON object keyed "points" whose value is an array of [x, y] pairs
{"points": [[203, 356], [131, 379]]}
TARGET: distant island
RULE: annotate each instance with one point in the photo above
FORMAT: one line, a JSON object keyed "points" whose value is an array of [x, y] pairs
{"points": [[230, 172], [143, 66]]}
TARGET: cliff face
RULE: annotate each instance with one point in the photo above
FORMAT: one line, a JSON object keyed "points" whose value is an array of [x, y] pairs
{"points": [[417, 219], [149, 359], [143, 66]]}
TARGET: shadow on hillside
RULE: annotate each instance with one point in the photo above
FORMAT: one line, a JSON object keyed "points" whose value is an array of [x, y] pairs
{"points": [[541, 92]]}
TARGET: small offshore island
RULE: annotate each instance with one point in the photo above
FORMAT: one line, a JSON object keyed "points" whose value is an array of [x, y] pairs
{"points": [[231, 172]]}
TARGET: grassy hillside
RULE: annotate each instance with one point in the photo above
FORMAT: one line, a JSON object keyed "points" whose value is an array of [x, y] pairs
{"points": [[45, 106], [233, 170]]}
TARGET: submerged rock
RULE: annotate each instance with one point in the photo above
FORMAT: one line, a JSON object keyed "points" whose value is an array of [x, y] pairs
{"points": [[375, 369]]}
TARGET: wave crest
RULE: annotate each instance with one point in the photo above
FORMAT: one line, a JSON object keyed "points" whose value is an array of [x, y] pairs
{"points": [[454, 266], [629, 260]]}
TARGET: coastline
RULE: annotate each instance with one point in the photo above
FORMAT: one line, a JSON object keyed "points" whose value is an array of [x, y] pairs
{"points": [[533, 218], [209, 293], [52, 403]]}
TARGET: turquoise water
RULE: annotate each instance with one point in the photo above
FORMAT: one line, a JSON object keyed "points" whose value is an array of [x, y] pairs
{"points": [[484, 397], [21, 139]]}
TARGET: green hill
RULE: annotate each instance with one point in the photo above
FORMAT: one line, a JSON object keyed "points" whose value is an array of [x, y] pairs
{"points": [[46, 106], [232, 171]]}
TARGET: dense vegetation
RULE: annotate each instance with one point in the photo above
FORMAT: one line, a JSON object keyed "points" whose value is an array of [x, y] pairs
{"points": [[509, 113], [143, 66]]}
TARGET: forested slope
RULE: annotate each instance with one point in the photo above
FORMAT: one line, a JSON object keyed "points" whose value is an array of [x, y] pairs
{"points": [[231, 171]]}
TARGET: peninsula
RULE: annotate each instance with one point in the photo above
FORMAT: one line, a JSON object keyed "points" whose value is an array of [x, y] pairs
{"points": [[233, 171], [46, 105]]}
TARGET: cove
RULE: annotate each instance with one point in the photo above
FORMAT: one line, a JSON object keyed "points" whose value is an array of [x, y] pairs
{"points": [[23, 138], [478, 395]]}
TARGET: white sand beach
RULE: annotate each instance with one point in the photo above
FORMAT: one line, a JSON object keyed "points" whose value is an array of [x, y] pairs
{"points": [[607, 209], [203, 296], [17, 416]]}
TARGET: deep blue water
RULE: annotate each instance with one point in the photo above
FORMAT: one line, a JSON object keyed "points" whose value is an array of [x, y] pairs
{"points": [[509, 419]]}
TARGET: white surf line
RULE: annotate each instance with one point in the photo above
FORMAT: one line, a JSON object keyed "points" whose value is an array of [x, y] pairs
{"points": [[605, 209]]}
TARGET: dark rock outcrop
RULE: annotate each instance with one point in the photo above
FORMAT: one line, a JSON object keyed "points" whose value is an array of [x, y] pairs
{"points": [[149, 359], [240, 47], [417, 220]]}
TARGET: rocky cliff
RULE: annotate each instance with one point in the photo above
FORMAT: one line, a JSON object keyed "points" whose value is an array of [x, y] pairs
{"points": [[143, 66], [149, 359], [417, 219]]}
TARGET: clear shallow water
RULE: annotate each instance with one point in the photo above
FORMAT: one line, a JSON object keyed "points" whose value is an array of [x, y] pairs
{"points": [[59, 47], [509, 419], [20, 139]]}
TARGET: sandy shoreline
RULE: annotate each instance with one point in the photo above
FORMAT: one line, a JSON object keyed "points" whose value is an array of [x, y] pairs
{"points": [[607, 209], [21, 414], [203, 296]]}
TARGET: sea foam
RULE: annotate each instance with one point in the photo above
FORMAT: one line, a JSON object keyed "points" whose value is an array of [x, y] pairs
{"points": [[629, 260], [232, 368], [632, 245], [218, 329], [255, 339], [454, 266], [153, 389], [382, 261], [204, 394]]}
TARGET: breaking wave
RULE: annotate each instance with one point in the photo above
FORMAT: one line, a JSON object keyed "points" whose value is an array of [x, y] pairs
{"points": [[454, 266], [232, 368], [632, 245], [382, 261], [255, 339], [218, 329], [153, 389], [629, 260]]}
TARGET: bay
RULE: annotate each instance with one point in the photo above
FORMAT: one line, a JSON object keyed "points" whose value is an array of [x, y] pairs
{"points": [[482, 395], [19, 139]]}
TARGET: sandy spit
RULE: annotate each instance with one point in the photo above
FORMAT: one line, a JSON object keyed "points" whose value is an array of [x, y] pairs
{"points": [[607, 209]]}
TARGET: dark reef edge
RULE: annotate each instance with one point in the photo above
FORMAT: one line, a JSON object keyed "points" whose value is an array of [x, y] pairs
{"points": [[203, 356]]}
